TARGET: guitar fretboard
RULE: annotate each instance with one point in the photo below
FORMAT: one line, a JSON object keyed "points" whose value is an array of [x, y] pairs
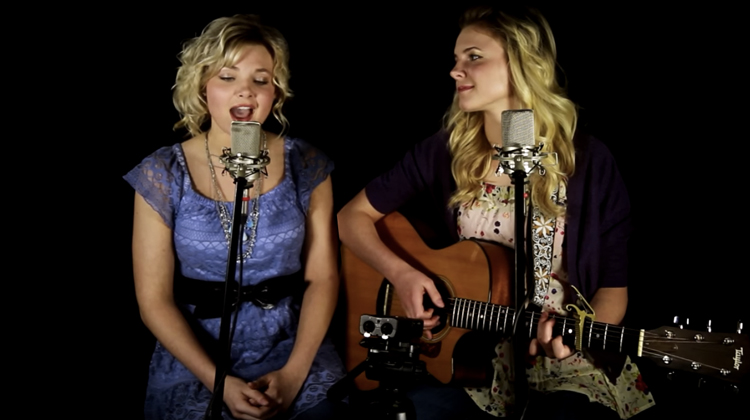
{"points": [[482, 316]]}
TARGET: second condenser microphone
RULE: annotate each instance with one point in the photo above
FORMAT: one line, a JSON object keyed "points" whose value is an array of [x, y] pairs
{"points": [[518, 129], [519, 151]]}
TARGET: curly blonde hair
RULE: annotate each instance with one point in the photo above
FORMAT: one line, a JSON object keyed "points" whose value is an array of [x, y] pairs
{"points": [[531, 52], [218, 46]]}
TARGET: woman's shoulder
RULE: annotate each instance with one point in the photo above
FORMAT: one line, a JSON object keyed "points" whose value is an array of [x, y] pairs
{"points": [[308, 167], [301, 147], [166, 159], [159, 179], [437, 141], [433, 150], [587, 142], [595, 165], [304, 154], [590, 150]]}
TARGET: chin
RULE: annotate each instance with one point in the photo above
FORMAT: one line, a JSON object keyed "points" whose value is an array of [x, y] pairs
{"points": [[467, 105]]}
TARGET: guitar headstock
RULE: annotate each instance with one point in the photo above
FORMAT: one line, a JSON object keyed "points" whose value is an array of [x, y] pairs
{"points": [[713, 354]]}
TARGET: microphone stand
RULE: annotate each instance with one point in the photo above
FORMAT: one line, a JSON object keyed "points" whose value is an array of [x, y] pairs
{"points": [[520, 163], [520, 347], [225, 344]]}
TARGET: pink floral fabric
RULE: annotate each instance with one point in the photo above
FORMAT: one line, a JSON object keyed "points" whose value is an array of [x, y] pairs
{"points": [[491, 217]]}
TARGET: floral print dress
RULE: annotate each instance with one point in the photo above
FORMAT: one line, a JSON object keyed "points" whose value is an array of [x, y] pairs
{"points": [[491, 217]]}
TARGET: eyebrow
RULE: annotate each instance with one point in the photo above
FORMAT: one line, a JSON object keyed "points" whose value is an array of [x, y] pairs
{"points": [[469, 49], [256, 71]]}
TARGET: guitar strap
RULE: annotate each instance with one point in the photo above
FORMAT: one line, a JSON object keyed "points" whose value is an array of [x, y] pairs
{"points": [[542, 240]]}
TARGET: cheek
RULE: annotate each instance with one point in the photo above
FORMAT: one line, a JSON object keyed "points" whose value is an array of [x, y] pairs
{"points": [[266, 99], [269, 97], [214, 95]]}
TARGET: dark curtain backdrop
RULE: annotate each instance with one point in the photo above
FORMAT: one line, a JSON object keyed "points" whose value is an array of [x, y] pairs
{"points": [[656, 85]]}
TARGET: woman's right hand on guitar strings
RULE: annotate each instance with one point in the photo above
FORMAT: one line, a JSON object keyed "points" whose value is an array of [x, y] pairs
{"points": [[411, 286]]}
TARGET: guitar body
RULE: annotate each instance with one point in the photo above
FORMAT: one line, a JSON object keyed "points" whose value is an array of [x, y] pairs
{"points": [[469, 269], [474, 280]]}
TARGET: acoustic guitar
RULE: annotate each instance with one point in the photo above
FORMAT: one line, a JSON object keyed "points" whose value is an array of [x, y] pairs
{"points": [[474, 280]]}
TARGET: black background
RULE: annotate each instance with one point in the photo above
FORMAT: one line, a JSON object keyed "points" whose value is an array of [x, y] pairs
{"points": [[657, 85]]}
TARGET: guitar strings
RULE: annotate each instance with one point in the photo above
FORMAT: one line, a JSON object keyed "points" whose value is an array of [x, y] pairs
{"points": [[657, 353], [482, 306], [471, 310], [596, 327]]}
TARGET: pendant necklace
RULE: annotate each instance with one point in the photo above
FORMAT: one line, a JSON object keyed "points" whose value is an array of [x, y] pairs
{"points": [[224, 216]]}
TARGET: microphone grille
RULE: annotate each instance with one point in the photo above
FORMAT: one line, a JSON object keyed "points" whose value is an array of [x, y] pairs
{"points": [[246, 138], [518, 128]]}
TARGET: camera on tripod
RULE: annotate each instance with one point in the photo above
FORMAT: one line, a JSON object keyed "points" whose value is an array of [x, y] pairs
{"points": [[393, 347], [393, 360]]}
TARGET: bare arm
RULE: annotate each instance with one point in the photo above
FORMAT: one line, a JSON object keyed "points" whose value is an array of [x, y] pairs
{"points": [[319, 257], [357, 231], [610, 304], [153, 269]]}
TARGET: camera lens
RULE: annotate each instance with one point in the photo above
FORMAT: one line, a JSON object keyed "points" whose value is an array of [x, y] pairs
{"points": [[386, 328], [368, 326]]}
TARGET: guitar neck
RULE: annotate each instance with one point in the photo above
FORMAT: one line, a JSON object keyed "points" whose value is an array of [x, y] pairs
{"points": [[483, 316]]}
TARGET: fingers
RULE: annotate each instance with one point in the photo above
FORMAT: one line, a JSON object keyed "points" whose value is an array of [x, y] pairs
{"points": [[559, 349], [256, 397], [255, 400], [544, 316], [432, 292], [250, 405], [254, 409], [544, 332], [533, 347], [417, 311], [430, 321], [430, 324], [259, 384], [552, 347]]}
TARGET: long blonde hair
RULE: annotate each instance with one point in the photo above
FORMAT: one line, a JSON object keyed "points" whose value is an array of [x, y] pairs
{"points": [[218, 46], [532, 55]]}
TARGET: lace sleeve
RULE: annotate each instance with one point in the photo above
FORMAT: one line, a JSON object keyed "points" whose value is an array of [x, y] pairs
{"points": [[309, 167], [158, 179]]}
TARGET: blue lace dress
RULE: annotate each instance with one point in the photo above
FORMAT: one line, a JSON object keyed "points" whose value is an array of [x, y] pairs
{"points": [[263, 338]]}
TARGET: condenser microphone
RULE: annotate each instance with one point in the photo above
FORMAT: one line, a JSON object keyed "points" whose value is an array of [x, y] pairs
{"points": [[245, 159], [517, 129], [519, 151]]}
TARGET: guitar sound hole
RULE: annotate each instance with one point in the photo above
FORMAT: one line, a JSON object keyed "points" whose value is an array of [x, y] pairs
{"points": [[442, 313]]}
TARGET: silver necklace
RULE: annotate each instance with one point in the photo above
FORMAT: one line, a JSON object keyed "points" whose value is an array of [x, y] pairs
{"points": [[225, 218]]}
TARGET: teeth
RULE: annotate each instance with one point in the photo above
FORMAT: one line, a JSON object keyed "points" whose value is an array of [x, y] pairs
{"points": [[241, 112]]}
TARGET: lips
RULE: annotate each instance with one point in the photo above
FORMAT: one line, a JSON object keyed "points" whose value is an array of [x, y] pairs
{"points": [[463, 88], [242, 113]]}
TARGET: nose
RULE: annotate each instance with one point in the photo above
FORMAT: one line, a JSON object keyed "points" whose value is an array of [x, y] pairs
{"points": [[457, 72], [245, 90]]}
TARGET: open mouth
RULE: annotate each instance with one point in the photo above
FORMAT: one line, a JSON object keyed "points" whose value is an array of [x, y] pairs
{"points": [[241, 113]]}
